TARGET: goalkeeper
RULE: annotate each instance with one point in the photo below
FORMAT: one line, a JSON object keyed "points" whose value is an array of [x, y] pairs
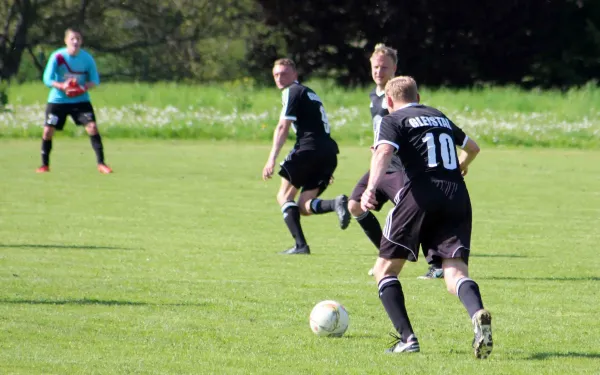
{"points": [[70, 73]]}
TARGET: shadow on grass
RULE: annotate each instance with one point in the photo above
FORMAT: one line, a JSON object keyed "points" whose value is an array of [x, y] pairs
{"points": [[545, 355], [509, 278], [362, 336], [75, 247], [91, 301]]}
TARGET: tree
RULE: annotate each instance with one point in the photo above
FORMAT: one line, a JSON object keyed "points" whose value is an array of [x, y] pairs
{"points": [[138, 39], [535, 42]]}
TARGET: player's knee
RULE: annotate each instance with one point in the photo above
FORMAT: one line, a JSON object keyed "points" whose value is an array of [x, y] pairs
{"points": [[91, 128], [304, 206], [303, 210], [48, 133], [354, 208], [281, 198], [386, 267]]}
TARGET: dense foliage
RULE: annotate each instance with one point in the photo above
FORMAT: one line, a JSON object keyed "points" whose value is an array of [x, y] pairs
{"points": [[471, 42]]}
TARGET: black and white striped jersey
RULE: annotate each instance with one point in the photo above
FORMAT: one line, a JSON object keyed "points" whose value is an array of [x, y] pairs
{"points": [[378, 111], [425, 140], [310, 123]]}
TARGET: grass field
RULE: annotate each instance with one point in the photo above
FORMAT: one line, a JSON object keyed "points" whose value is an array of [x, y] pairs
{"points": [[170, 265], [505, 116]]}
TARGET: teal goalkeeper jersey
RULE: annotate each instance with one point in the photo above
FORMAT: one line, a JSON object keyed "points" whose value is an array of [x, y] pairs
{"points": [[62, 66]]}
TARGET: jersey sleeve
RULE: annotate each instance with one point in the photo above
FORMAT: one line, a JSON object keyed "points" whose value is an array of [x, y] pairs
{"points": [[50, 70], [460, 138], [93, 75], [388, 133], [291, 100]]}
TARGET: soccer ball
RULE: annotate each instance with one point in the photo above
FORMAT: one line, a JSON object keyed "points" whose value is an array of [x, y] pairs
{"points": [[329, 318]]}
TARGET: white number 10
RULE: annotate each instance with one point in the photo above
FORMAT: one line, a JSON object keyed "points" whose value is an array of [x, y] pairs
{"points": [[447, 151]]}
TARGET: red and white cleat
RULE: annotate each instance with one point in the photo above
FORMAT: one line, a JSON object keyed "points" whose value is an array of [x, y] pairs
{"points": [[103, 168]]}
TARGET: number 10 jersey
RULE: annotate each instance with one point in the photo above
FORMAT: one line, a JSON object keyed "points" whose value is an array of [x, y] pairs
{"points": [[425, 140]]}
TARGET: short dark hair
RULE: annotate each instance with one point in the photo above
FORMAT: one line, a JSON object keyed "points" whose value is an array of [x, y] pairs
{"points": [[73, 29]]}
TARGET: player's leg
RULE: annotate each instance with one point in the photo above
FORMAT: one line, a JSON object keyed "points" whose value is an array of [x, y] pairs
{"points": [[55, 120], [290, 172], [449, 238], [84, 115], [320, 172], [466, 289], [310, 204], [366, 219], [392, 297], [399, 244]]}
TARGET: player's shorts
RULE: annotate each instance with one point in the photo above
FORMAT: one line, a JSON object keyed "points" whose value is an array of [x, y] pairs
{"points": [[434, 214], [57, 113], [386, 190], [309, 169]]}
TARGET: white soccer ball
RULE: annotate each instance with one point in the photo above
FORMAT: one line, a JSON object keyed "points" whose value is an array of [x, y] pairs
{"points": [[329, 318]]}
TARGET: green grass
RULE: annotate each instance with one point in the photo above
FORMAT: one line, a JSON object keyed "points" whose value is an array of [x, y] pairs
{"points": [[242, 111], [170, 265]]}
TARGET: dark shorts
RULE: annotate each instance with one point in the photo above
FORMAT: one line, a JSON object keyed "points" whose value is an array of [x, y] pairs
{"points": [[309, 169], [433, 214], [386, 190], [57, 113]]}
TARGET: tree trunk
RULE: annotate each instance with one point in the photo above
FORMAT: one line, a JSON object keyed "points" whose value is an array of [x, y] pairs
{"points": [[12, 48]]}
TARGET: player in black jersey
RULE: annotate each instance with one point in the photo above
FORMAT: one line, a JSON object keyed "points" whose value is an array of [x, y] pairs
{"points": [[309, 166], [433, 209], [383, 66]]}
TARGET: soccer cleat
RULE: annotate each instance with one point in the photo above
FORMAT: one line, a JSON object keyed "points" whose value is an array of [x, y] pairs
{"points": [[43, 169], [482, 326], [341, 209], [433, 273], [297, 250], [398, 346], [103, 168]]}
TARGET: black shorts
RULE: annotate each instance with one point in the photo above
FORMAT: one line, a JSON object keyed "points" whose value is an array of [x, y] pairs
{"points": [[386, 190], [434, 214], [309, 169], [81, 113]]}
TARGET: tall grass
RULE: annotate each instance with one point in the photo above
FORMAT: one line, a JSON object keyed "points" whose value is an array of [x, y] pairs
{"points": [[245, 111]]}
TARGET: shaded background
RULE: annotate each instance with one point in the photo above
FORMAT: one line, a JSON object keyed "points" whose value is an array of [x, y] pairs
{"points": [[535, 43]]}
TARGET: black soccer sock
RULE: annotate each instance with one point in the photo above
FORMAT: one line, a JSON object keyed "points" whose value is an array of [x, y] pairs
{"points": [[46, 148], [96, 141], [291, 216], [319, 206], [392, 297], [370, 225], [468, 292]]}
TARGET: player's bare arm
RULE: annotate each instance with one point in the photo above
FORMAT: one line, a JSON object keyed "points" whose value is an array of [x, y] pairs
{"points": [[468, 154], [279, 137], [379, 163]]}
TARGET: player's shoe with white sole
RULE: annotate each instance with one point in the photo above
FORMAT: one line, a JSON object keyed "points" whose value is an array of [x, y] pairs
{"points": [[433, 273], [305, 250], [410, 346], [482, 327], [341, 209]]}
